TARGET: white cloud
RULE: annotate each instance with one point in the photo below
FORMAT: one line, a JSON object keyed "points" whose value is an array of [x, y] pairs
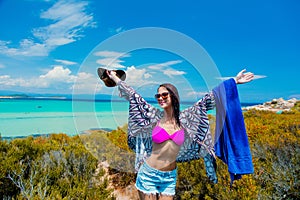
{"points": [[259, 76], [110, 63], [69, 18], [7, 80], [197, 94], [147, 75], [82, 83], [165, 68], [111, 54], [65, 62], [111, 59], [171, 72], [54, 76], [255, 77], [119, 30], [58, 74], [116, 30], [160, 66], [138, 77], [85, 84], [59, 78], [27, 48]]}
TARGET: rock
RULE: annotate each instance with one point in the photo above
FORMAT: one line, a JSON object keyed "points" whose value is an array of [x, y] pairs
{"points": [[276, 105], [293, 100], [274, 101]]}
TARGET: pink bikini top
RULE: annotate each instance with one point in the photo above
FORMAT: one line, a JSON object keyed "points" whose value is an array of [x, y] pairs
{"points": [[160, 135]]}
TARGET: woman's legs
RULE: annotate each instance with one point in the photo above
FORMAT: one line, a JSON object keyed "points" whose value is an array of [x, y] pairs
{"points": [[166, 197], [144, 196]]}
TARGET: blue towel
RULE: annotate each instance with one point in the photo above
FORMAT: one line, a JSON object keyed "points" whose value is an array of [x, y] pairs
{"points": [[231, 141]]}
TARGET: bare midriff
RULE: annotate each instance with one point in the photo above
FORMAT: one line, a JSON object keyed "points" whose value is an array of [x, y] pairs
{"points": [[163, 156]]}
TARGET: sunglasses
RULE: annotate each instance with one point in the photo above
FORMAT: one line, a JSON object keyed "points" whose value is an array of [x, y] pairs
{"points": [[163, 95]]}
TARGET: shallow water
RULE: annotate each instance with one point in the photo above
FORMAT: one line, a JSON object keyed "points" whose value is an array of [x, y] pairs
{"points": [[23, 117], [27, 117]]}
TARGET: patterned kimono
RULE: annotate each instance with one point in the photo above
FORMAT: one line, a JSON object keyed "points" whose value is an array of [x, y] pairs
{"points": [[194, 120]]}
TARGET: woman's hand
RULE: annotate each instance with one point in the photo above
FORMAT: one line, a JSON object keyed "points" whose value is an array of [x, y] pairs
{"points": [[113, 76], [242, 77]]}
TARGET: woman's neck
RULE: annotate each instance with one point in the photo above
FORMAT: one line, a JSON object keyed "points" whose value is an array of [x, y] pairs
{"points": [[168, 115]]}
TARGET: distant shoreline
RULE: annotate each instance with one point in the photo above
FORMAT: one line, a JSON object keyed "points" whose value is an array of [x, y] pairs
{"points": [[63, 98], [9, 138], [59, 98], [31, 97], [22, 97]]}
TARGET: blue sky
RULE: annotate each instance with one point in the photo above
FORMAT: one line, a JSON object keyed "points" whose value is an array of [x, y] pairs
{"points": [[55, 46]]}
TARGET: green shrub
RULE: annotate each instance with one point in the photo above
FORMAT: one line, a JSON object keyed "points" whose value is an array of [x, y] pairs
{"points": [[58, 167]]}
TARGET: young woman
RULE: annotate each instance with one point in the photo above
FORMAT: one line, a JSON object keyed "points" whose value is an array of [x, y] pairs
{"points": [[162, 138]]}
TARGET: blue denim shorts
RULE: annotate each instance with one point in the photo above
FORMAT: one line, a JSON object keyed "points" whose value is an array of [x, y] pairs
{"points": [[154, 181]]}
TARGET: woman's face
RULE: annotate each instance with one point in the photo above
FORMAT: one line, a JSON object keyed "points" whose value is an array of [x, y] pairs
{"points": [[163, 98]]}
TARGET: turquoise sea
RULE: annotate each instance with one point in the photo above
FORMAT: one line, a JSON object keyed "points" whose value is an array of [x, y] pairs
{"points": [[34, 116], [24, 117]]}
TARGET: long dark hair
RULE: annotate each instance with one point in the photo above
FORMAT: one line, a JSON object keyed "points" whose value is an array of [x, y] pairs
{"points": [[174, 99]]}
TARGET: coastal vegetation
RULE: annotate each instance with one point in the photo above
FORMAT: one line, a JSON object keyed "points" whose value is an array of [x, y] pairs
{"points": [[64, 167], [54, 167]]}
